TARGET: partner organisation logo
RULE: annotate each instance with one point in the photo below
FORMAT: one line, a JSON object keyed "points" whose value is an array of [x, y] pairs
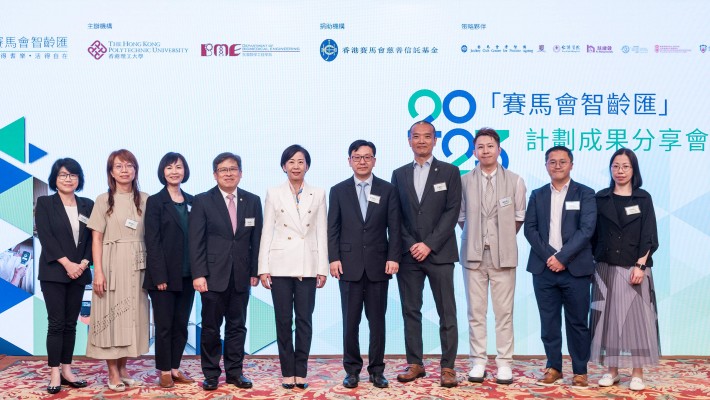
{"points": [[328, 50]]}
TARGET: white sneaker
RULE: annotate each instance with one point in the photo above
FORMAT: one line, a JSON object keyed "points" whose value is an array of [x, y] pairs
{"points": [[477, 373], [504, 376], [608, 380], [637, 384]]}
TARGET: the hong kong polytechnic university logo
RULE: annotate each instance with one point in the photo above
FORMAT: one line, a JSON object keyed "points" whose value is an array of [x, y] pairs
{"points": [[97, 50], [328, 50]]}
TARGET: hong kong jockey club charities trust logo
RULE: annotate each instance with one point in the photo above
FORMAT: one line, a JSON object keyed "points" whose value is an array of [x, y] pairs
{"points": [[220, 50], [445, 106], [97, 50], [328, 50]]}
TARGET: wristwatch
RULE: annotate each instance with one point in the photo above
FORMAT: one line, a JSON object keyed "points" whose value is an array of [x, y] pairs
{"points": [[642, 267]]}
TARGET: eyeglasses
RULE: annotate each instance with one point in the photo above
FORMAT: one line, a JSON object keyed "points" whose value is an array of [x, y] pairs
{"points": [[622, 168], [555, 163], [121, 167], [367, 158], [225, 170], [68, 177]]}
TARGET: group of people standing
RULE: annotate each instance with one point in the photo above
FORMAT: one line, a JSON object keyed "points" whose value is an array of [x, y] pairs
{"points": [[218, 243]]}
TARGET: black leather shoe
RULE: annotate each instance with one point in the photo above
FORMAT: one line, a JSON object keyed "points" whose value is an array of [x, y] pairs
{"points": [[379, 381], [210, 384], [350, 381], [303, 385], [76, 384], [53, 389], [288, 386], [241, 381]]}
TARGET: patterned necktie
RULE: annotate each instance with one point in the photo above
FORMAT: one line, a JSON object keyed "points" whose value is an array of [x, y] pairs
{"points": [[488, 196], [232, 208], [362, 198]]}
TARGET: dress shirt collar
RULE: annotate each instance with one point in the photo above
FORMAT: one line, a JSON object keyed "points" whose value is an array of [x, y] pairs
{"points": [[368, 180], [427, 163], [564, 187]]}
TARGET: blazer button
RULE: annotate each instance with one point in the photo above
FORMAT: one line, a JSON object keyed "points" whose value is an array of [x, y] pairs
{"points": [[289, 238], [420, 213], [307, 225], [286, 225], [309, 211]]}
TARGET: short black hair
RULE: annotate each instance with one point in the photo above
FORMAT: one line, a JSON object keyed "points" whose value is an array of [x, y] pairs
{"points": [[168, 159], [221, 157], [291, 151], [72, 166], [359, 143], [425, 122], [487, 132], [636, 180], [559, 148]]}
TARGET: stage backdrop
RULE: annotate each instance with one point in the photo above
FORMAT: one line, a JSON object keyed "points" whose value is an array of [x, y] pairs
{"points": [[80, 79]]}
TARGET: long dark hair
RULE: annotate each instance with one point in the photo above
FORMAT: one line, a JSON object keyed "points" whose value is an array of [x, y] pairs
{"points": [[127, 156], [636, 180]]}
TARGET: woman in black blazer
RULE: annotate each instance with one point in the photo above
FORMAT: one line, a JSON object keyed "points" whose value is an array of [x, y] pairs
{"points": [[63, 265], [168, 278], [624, 316]]}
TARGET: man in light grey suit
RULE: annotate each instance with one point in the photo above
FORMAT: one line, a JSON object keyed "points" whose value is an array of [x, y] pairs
{"points": [[492, 213]]}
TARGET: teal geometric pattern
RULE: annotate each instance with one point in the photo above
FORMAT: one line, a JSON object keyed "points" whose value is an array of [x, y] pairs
{"points": [[12, 139], [16, 205]]}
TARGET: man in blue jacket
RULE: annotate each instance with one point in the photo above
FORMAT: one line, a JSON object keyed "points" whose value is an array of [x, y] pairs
{"points": [[559, 224]]}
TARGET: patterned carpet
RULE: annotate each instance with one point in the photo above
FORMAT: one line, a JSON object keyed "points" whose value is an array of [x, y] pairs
{"points": [[672, 379]]}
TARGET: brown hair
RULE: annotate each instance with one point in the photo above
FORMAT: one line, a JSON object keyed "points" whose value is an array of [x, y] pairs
{"points": [[127, 156]]}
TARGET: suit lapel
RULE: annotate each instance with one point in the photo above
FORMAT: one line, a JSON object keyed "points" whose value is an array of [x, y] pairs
{"points": [[83, 210], [374, 190], [221, 207], [351, 193], [606, 207], [409, 181], [168, 204], [571, 194], [60, 211], [433, 172], [305, 202], [241, 210], [546, 200], [289, 204]]}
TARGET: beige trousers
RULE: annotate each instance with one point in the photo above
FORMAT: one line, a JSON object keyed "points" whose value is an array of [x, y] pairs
{"points": [[502, 283]]}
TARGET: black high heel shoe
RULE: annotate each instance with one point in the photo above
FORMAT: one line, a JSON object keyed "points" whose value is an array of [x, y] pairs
{"points": [[76, 384], [53, 389]]}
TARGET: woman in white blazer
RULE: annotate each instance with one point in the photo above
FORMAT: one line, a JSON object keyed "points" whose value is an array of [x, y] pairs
{"points": [[293, 260]]}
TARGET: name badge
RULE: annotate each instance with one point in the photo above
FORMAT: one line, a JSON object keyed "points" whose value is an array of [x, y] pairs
{"points": [[83, 219], [374, 198], [132, 224], [505, 202], [249, 221], [438, 187], [571, 205], [632, 210], [189, 207]]}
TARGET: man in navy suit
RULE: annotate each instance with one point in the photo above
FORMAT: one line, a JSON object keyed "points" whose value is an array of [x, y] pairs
{"points": [[224, 234], [364, 249], [559, 223]]}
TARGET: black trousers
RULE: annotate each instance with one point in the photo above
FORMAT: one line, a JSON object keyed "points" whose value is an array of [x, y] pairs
{"points": [[63, 301], [373, 296], [410, 280], [217, 306], [171, 313], [554, 290], [290, 296]]}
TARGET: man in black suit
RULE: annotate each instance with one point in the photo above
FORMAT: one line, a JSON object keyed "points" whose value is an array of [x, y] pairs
{"points": [[224, 232], [363, 210], [430, 198], [559, 224]]}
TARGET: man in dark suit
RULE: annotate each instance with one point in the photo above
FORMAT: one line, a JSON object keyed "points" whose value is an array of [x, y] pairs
{"points": [[430, 198], [363, 210], [224, 232], [559, 224]]}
